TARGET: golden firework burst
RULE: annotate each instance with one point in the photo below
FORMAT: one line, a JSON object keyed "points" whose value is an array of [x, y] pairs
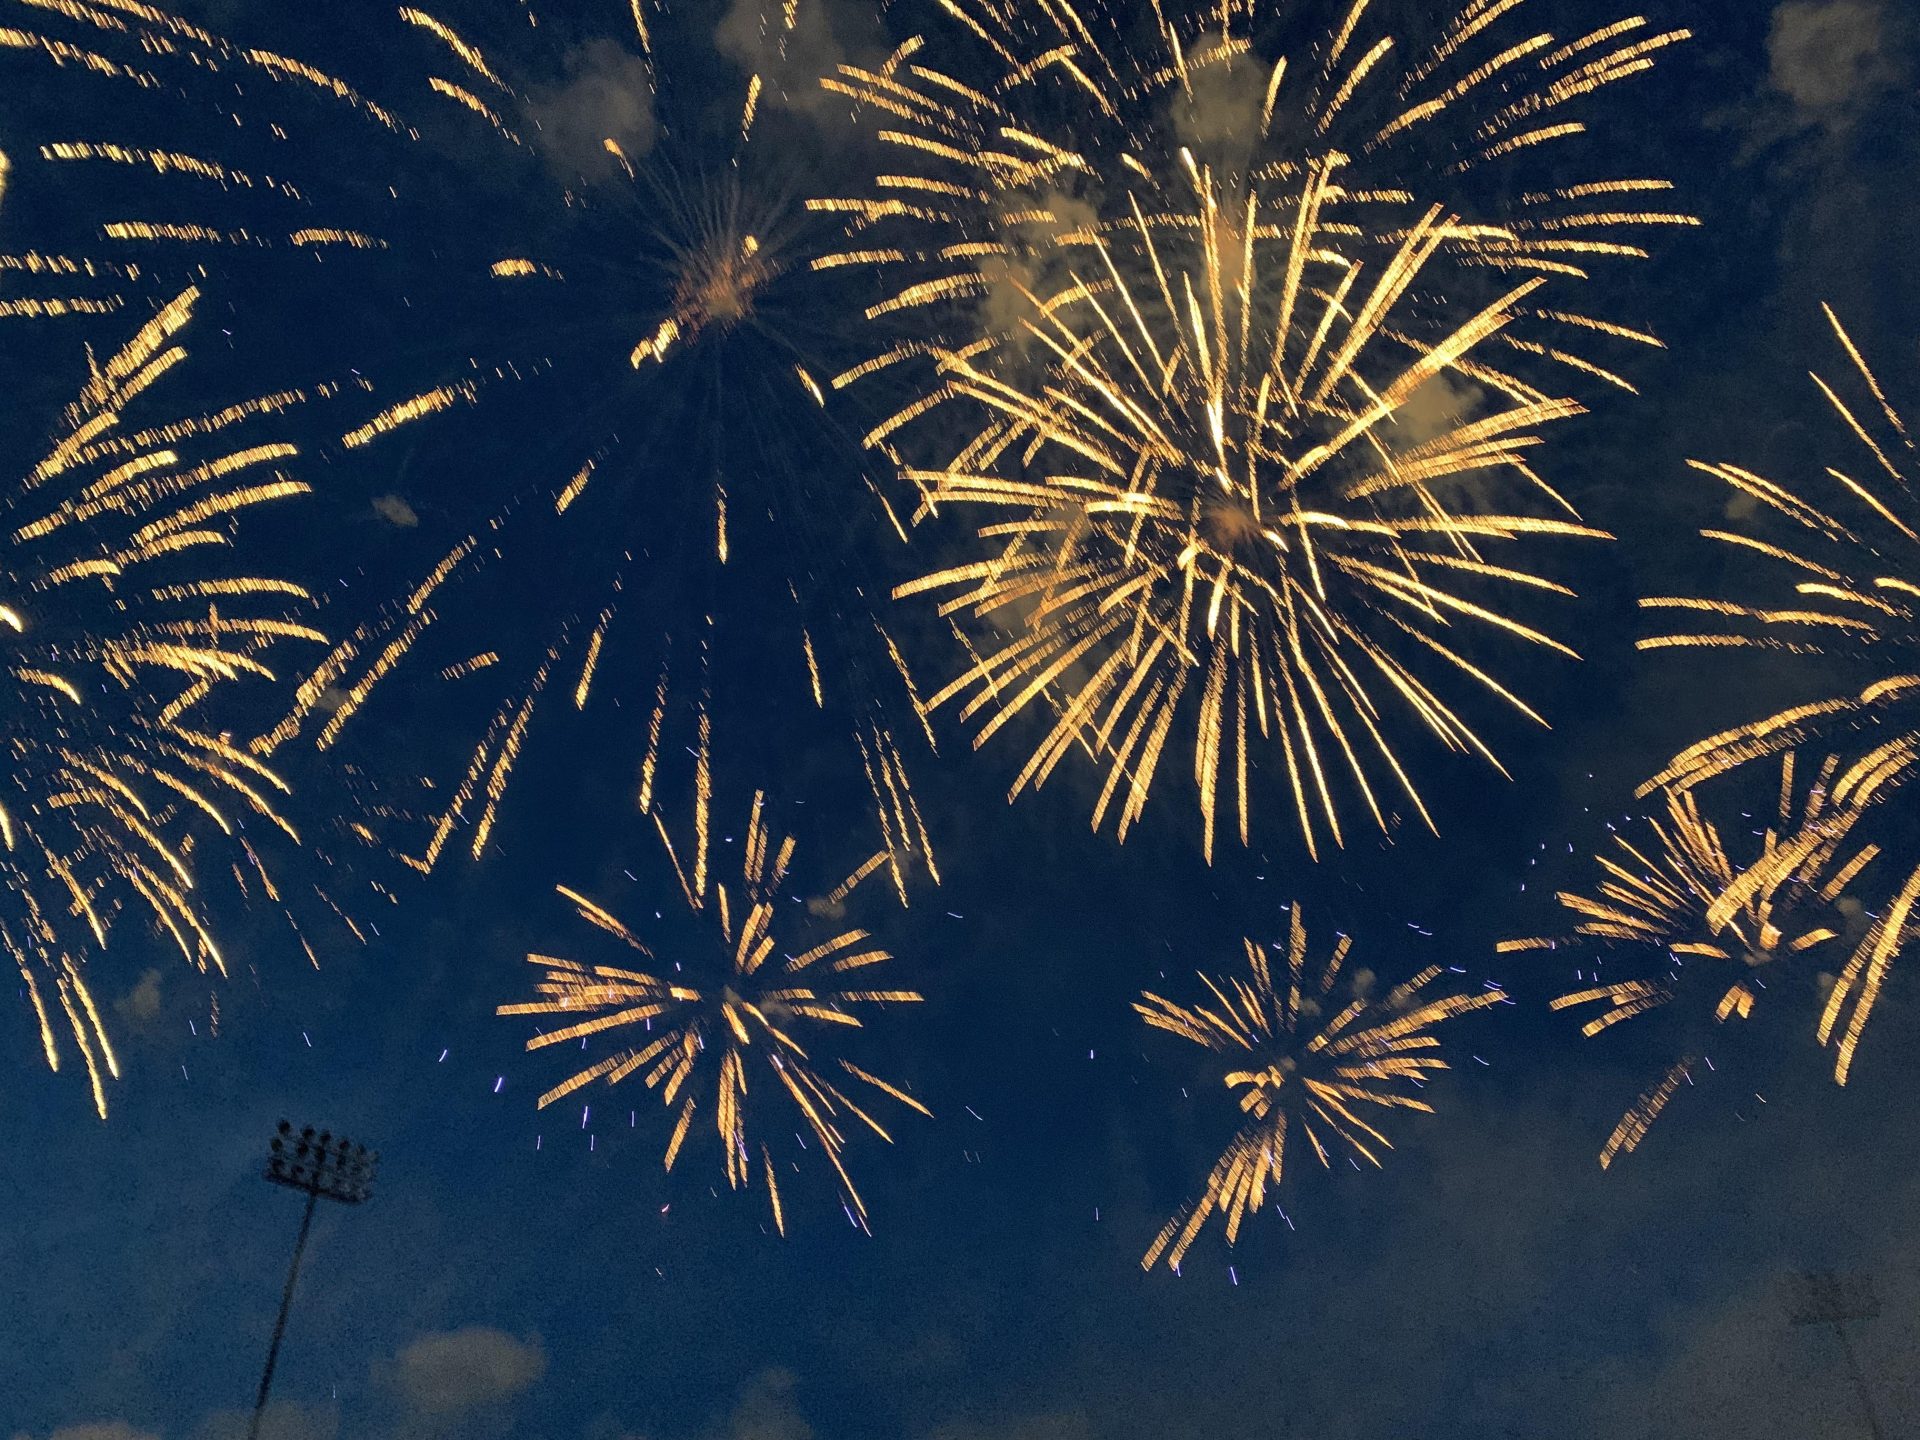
{"points": [[615, 262], [744, 1018], [1311, 1053], [1026, 132], [1707, 928], [1215, 511], [1839, 560], [1238, 368], [122, 625]]}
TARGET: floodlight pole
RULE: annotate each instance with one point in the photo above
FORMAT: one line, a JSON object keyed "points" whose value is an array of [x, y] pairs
{"points": [[280, 1325], [1859, 1380], [315, 1165], [1824, 1298]]}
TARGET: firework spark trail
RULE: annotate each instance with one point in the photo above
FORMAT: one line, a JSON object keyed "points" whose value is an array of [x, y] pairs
{"points": [[1702, 930], [1198, 312], [742, 1023], [1840, 558], [1304, 1060], [122, 625], [644, 269]]}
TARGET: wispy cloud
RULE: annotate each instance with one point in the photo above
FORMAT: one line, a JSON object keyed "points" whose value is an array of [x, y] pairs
{"points": [[1058, 1425], [768, 1409], [280, 1422], [790, 62], [454, 1372], [140, 1006], [607, 95], [1833, 58], [395, 510]]}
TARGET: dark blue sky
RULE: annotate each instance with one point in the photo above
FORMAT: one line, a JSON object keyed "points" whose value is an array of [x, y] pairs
{"points": [[522, 1274]]}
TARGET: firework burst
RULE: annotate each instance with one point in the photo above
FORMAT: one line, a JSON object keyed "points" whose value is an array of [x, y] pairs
{"points": [[1312, 1053], [604, 338], [122, 624], [742, 1022], [1241, 370], [1841, 561], [1195, 521], [1709, 931]]}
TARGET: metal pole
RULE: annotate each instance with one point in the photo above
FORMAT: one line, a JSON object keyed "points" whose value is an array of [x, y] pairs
{"points": [[1859, 1381], [316, 1166], [286, 1303]]}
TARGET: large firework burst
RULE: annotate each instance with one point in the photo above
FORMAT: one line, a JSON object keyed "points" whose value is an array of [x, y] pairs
{"points": [[1196, 520], [1239, 346], [744, 1019], [1708, 930], [1312, 1053], [1841, 565], [598, 270], [123, 616]]}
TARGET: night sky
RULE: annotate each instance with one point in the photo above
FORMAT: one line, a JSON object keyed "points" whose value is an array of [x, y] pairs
{"points": [[534, 1274]]}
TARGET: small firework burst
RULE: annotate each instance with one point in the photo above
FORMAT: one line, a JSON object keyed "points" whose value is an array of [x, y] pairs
{"points": [[1708, 930], [745, 1021], [1837, 566], [1308, 1053]]}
